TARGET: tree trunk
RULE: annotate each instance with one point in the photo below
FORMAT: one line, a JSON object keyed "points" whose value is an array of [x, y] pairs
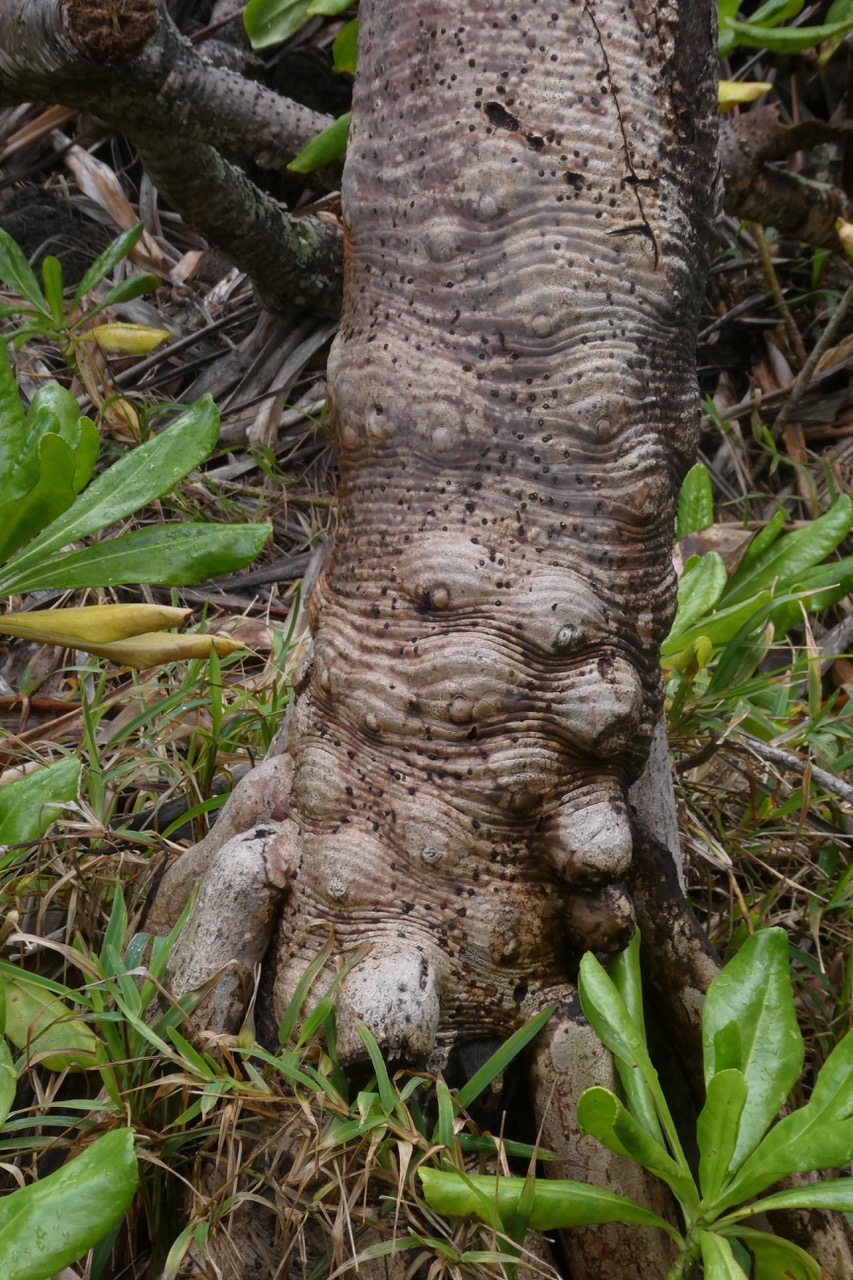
{"points": [[526, 206], [527, 200]]}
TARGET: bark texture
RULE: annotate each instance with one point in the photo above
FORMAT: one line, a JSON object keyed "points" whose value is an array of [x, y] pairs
{"points": [[526, 205]]}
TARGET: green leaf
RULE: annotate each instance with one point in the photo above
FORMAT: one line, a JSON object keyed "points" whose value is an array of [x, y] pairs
{"points": [[775, 12], [501, 1058], [749, 1024], [785, 39], [16, 273], [816, 589], [168, 555], [51, 272], [53, 1222], [28, 466], [54, 408], [13, 427], [556, 1203], [42, 1025], [775, 1257], [602, 1115], [717, 1130], [700, 587], [719, 627], [136, 479], [326, 147], [329, 8], [836, 1195], [784, 559], [606, 1013], [387, 1096], [345, 48], [51, 495], [272, 21], [85, 453], [626, 976], [8, 1079], [608, 1016], [695, 502], [818, 1136], [124, 291], [718, 1261], [29, 804], [107, 261]]}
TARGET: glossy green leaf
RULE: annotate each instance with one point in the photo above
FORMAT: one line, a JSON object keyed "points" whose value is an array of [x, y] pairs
{"points": [[124, 291], [817, 1136], [107, 261], [54, 408], [626, 976], [719, 627], [168, 555], [136, 479], [51, 495], [718, 1261], [53, 1222], [607, 1014], [53, 411], [556, 1203], [270, 22], [700, 587], [784, 559], [695, 502], [17, 274], [345, 48], [602, 1115], [8, 1079], [717, 1130], [29, 804], [328, 146], [836, 1195], [774, 1257], [749, 1024]]}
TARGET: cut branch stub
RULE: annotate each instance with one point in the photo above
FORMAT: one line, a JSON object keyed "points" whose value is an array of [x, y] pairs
{"points": [[526, 201], [108, 32]]}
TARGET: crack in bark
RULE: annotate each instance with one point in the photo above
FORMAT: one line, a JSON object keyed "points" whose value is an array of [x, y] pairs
{"points": [[644, 227]]}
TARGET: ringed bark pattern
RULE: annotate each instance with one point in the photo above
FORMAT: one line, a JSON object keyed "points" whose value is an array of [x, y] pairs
{"points": [[527, 200]]}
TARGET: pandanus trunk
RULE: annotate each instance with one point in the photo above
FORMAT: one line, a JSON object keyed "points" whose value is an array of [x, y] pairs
{"points": [[526, 204]]}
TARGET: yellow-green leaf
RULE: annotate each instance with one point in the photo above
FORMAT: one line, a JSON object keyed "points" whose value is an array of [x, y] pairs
{"points": [[41, 1024], [158, 647], [733, 93], [126, 339], [91, 624]]}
